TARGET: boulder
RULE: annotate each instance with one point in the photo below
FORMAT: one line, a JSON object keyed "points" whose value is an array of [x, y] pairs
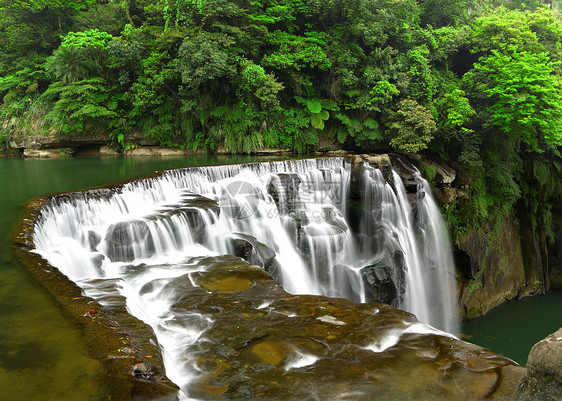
{"points": [[383, 279], [379, 284], [249, 248], [378, 161], [198, 211], [123, 239], [543, 380], [382, 162], [107, 151], [444, 175], [93, 239], [284, 188]]}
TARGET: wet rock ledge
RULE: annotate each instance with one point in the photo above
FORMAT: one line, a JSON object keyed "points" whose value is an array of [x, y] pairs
{"points": [[122, 343], [265, 344]]}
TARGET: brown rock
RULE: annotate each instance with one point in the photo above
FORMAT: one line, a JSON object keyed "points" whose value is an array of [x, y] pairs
{"points": [[543, 380], [153, 151], [51, 153], [496, 264]]}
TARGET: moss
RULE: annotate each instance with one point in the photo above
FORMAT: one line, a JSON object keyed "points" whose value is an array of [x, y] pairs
{"points": [[428, 172]]}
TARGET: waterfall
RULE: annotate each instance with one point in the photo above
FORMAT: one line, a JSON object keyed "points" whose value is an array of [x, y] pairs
{"points": [[293, 218]]}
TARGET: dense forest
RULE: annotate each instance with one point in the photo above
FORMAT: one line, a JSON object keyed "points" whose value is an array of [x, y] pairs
{"points": [[475, 83]]}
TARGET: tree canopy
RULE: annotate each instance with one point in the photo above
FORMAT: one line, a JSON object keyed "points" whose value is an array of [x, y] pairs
{"points": [[476, 82]]}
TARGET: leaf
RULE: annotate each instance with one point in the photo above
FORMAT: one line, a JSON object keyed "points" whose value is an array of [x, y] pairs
{"points": [[32, 88], [370, 123], [314, 106], [299, 99], [329, 104], [342, 135], [112, 104], [317, 120], [220, 111]]}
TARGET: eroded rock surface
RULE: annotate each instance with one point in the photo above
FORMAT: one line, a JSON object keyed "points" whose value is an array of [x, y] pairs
{"points": [[543, 380], [265, 344]]}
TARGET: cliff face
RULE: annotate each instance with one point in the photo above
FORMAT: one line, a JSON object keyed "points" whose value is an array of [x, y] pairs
{"points": [[496, 268], [555, 252], [500, 260]]}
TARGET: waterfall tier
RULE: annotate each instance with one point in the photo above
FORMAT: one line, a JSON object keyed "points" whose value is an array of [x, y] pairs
{"points": [[315, 226]]}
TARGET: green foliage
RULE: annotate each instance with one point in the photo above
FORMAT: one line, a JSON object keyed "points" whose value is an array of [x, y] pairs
{"points": [[474, 83], [92, 40], [201, 61], [412, 127], [317, 110], [21, 82], [81, 55], [455, 110], [366, 132], [257, 84], [428, 171], [502, 186], [82, 106], [110, 17], [526, 96], [296, 52], [32, 28], [296, 125]]}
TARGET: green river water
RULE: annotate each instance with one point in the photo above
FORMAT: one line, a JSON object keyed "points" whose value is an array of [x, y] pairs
{"points": [[41, 354]]}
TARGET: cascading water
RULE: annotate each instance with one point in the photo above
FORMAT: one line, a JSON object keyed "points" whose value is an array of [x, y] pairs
{"points": [[292, 218]]}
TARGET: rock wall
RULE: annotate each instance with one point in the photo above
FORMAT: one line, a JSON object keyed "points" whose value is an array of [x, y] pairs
{"points": [[55, 146], [555, 252], [496, 271]]}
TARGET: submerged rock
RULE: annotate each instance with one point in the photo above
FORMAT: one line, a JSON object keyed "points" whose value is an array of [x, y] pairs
{"points": [[284, 189], [122, 238]]}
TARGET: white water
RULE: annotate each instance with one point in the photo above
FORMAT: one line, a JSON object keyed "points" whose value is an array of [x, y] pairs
{"points": [[155, 230]]}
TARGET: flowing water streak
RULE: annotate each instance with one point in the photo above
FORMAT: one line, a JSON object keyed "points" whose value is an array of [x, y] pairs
{"points": [[150, 232], [415, 246], [439, 262]]}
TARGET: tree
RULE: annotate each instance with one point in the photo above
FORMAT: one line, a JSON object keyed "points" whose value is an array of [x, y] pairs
{"points": [[525, 96], [411, 127], [81, 55]]}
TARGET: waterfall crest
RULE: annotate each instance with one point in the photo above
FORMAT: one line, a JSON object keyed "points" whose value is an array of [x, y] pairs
{"points": [[294, 218]]}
